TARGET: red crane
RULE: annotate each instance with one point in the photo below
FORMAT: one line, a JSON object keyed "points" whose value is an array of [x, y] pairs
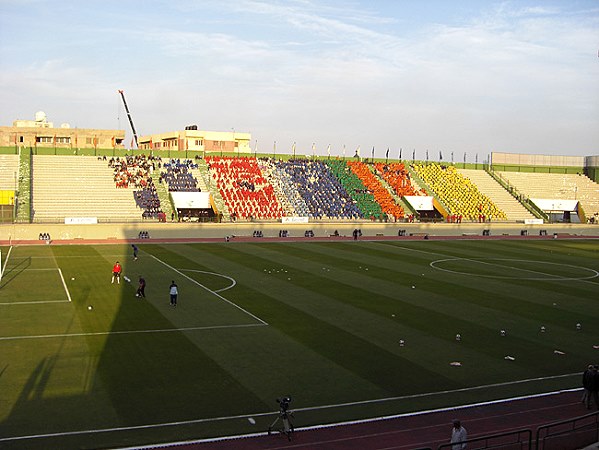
{"points": [[129, 116]]}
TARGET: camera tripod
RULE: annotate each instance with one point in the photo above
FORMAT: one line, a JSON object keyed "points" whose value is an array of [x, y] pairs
{"points": [[285, 417]]}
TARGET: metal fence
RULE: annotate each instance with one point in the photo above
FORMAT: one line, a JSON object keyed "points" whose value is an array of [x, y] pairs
{"points": [[569, 434], [513, 440]]}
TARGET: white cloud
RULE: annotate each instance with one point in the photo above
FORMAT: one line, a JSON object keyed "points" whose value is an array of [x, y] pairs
{"points": [[514, 78]]}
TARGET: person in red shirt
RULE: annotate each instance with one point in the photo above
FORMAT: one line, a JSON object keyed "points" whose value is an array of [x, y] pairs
{"points": [[116, 272]]}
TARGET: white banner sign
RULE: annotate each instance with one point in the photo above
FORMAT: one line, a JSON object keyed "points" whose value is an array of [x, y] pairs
{"points": [[80, 220], [191, 200], [555, 204], [420, 203], [294, 220]]}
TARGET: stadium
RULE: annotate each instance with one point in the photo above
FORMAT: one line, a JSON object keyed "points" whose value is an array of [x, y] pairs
{"points": [[360, 290]]}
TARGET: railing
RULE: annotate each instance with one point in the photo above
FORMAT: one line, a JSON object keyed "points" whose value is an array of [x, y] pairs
{"points": [[522, 199], [513, 440], [569, 434]]}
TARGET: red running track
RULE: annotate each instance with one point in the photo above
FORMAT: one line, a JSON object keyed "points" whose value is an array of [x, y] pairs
{"points": [[416, 431]]}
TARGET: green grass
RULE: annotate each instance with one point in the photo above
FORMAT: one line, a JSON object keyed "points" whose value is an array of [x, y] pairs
{"points": [[320, 322]]}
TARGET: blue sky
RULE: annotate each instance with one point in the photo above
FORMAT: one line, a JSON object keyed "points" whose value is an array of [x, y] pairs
{"points": [[445, 76]]}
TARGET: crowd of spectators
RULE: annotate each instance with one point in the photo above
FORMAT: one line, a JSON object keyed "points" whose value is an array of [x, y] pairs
{"points": [[379, 192], [459, 194], [177, 175], [245, 191], [136, 171], [291, 200], [398, 177], [321, 191], [360, 194]]}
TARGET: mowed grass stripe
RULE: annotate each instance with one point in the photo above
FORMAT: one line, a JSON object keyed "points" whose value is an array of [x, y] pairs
{"points": [[442, 317], [334, 302], [528, 341], [331, 339], [463, 291], [317, 311], [287, 364]]}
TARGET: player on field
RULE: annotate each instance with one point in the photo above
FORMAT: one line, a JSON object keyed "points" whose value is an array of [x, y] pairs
{"points": [[116, 272], [141, 288]]}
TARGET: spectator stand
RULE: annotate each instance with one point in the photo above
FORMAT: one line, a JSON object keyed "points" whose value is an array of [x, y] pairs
{"points": [[246, 192], [137, 171], [321, 191]]}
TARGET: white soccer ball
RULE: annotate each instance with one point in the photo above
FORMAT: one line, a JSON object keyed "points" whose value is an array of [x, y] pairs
{"points": [[90, 307]]}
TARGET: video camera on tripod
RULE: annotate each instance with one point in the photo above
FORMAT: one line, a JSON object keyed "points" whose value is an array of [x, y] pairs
{"points": [[284, 404], [284, 416]]}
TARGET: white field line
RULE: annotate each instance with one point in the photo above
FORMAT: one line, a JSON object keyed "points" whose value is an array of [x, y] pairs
{"points": [[111, 333], [66, 289], [3, 268], [231, 279], [243, 416], [547, 276], [431, 264], [41, 302], [211, 291]]}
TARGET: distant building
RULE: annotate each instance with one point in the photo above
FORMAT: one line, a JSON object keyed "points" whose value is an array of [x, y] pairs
{"points": [[197, 140], [41, 133]]}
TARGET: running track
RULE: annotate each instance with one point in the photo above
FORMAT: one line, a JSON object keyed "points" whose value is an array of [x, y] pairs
{"points": [[413, 432]]}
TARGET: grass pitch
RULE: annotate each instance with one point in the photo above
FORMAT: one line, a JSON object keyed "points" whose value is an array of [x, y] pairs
{"points": [[320, 322]]}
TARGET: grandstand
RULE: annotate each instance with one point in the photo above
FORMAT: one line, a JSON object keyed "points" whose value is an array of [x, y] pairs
{"points": [[78, 187], [513, 209], [557, 186], [331, 307], [459, 194], [9, 168], [249, 189]]}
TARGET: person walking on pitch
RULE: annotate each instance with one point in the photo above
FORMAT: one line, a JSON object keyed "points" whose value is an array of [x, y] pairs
{"points": [[141, 288]]}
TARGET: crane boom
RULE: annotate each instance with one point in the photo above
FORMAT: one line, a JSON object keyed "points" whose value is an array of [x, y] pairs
{"points": [[129, 116]]}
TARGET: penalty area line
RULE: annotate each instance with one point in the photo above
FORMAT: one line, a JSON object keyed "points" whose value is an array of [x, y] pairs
{"points": [[3, 267], [66, 289]]}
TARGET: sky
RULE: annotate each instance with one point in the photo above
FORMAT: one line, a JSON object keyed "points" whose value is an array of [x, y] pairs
{"points": [[448, 77]]}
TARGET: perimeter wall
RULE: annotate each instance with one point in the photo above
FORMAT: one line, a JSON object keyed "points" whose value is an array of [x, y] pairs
{"points": [[520, 162], [13, 233]]}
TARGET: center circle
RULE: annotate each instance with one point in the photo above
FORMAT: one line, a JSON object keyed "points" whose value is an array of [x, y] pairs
{"points": [[517, 266]]}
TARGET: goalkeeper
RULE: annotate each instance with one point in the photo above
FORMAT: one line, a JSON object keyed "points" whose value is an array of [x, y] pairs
{"points": [[116, 272]]}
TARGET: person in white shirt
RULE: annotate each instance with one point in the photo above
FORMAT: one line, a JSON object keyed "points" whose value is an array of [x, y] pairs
{"points": [[174, 293], [458, 436]]}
